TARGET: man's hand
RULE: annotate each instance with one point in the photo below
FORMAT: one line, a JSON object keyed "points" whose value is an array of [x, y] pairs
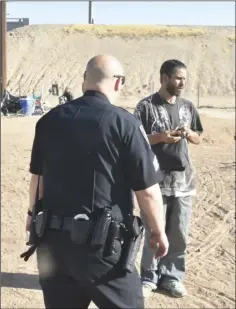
{"points": [[28, 223], [160, 242], [164, 137], [192, 137], [177, 133], [169, 137]]}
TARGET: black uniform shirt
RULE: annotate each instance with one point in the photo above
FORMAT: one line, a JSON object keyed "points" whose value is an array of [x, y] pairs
{"points": [[91, 153]]}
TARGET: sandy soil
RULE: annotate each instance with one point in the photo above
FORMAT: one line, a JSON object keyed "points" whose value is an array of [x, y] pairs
{"points": [[210, 277]]}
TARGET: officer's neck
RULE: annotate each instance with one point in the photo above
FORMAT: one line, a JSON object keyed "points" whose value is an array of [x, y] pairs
{"points": [[164, 94], [104, 91]]}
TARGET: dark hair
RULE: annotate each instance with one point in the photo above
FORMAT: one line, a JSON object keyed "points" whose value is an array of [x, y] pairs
{"points": [[169, 67]]}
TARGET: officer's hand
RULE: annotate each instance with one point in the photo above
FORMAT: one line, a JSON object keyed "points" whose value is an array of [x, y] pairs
{"points": [[28, 223], [169, 137], [160, 242]]}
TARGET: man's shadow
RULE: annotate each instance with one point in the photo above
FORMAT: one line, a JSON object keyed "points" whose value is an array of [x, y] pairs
{"points": [[21, 281]]}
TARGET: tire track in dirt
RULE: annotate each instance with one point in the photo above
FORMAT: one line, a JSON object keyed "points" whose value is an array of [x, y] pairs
{"points": [[215, 219], [218, 233], [214, 239], [210, 293], [211, 191], [205, 196], [212, 200]]}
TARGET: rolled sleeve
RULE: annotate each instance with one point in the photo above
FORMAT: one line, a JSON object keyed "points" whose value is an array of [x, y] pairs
{"points": [[140, 114]]}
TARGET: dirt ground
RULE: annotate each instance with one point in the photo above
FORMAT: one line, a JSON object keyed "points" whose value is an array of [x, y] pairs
{"points": [[210, 277]]}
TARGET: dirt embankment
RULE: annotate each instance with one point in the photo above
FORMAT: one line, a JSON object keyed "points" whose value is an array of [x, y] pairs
{"points": [[37, 55]]}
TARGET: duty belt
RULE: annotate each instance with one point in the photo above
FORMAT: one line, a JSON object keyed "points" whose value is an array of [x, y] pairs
{"points": [[60, 223], [64, 224]]}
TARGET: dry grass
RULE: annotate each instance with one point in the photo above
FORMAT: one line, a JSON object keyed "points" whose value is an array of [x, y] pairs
{"points": [[134, 31]]}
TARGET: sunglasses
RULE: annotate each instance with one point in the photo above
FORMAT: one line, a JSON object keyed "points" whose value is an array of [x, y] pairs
{"points": [[122, 77]]}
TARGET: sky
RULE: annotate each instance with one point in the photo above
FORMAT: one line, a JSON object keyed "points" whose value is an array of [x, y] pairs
{"points": [[221, 13]]}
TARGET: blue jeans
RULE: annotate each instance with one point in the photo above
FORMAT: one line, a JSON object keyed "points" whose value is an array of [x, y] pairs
{"points": [[177, 211]]}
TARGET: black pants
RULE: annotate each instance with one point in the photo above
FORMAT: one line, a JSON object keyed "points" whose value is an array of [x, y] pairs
{"points": [[71, 277]]}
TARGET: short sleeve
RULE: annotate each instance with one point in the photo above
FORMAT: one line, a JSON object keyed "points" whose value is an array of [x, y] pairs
{"points": [[36, 163], [141, 115], [141, 166], [196, 124]]}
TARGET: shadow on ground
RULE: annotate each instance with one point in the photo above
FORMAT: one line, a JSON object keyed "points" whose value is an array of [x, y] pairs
{"points": [[21, 281]]}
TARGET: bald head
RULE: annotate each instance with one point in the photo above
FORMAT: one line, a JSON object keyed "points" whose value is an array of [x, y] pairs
{"points": [[105, 74], [101, 68]]}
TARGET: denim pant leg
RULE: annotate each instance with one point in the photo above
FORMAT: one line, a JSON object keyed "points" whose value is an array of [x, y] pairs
{"points": [[179, 209], [149, 265]]}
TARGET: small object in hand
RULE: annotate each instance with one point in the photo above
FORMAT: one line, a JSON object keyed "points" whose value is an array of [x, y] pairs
{"points": [[176, 132]]}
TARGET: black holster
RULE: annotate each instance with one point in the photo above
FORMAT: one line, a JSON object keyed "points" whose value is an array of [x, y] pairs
{"points": [[33, 237], [132, 243], [81, 228], [100, 232], [115, 233], [92, 230], [41, 223], [37, 229]]}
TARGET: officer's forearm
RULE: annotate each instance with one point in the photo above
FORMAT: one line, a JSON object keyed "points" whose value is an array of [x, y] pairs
{"points": [[32, 190], [151, 203]]}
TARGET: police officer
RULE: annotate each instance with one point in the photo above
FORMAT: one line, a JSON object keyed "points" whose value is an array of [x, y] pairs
{"points": [[90, 154]]}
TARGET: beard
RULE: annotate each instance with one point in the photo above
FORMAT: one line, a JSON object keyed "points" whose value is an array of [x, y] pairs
{"points": [[173, 91]]}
